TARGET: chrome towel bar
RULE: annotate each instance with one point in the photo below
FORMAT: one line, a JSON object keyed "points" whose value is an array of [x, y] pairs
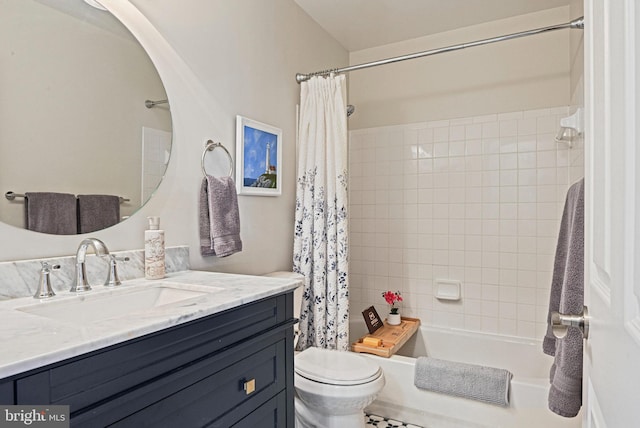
{"points": [[12, 195]]}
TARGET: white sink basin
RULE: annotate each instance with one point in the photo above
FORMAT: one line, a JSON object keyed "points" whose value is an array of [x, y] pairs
{"points": [[88, 308]]}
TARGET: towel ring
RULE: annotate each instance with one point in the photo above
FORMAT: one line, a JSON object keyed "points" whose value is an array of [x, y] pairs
{"points": [[210, 146]]}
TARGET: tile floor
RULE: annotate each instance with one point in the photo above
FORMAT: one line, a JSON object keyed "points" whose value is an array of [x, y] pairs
{"points": [[380, 422]]}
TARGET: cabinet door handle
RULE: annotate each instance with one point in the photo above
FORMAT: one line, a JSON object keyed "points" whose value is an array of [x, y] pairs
{"points": [[249, 386]]}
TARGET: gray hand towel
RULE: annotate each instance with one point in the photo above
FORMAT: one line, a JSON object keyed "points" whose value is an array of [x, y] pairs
{"points": [[97, 212], [219, 217], [567, 297], [54, 213], [486, 384], [204, 223]]}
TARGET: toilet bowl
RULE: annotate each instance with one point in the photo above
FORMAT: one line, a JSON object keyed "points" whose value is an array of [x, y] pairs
{"points": [[333, 388]]}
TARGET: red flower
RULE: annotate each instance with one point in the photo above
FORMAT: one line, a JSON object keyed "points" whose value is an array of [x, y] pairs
{"points": [[391, 298]]}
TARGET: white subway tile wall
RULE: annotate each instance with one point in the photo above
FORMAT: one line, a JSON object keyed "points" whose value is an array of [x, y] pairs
{"points": [[476, 199]]}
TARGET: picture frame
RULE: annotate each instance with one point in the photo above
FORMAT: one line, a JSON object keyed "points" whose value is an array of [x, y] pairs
{"points": [[258, 158], [372, 319]]}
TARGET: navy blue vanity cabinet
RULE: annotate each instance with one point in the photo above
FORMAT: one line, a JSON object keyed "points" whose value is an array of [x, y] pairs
{"points": [[231, 369], [6, 392]]}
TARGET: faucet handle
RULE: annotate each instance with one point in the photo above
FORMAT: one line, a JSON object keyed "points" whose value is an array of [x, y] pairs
{"points": [[112, 277], [44, 286]]}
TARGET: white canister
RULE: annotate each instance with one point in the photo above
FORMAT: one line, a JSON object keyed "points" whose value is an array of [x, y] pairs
{"points": [[154, 264]]}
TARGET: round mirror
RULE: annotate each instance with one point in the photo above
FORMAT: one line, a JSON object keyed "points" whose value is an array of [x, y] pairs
{"points": [[82, 112]]}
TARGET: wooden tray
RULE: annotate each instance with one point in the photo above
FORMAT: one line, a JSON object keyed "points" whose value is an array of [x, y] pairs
{"points": [[392, 336]]}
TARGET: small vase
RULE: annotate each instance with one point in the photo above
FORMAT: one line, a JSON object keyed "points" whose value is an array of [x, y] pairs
{"points": [[394, 319]]}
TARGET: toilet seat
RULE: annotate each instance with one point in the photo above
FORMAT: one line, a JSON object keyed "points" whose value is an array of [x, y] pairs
{"points": [[335, 367]]}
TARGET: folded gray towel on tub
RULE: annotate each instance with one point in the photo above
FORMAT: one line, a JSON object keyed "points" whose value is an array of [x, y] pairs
{"points": [[487, 384]]}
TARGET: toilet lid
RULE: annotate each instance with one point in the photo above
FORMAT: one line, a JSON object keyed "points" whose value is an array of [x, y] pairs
{"points": [[335, 367]]}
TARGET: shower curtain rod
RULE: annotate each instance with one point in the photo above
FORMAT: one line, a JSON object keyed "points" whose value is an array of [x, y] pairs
{"points": [[576, 23]]}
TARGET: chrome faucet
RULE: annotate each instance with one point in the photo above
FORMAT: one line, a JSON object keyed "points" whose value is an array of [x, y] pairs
{"points": [[80, 283]]}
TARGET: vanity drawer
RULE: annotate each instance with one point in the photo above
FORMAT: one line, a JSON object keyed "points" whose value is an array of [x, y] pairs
{"points": [[209, 393], [84, 381], [270, 414]]}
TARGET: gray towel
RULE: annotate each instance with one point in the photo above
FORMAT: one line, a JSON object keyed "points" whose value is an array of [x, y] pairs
{"points": [[206, 246], [219, 217], [480, 383], [567, 297], [97, 212], [54, 213]]}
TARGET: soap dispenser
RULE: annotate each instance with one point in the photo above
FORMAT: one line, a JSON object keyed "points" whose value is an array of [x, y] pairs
{"points": [[154, 250]]}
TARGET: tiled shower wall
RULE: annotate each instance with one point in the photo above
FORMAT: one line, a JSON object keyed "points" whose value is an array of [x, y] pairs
{"points": [[476, 199]]}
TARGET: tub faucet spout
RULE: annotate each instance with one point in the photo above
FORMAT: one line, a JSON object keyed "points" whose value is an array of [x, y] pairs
{"points": [[80, 283]]}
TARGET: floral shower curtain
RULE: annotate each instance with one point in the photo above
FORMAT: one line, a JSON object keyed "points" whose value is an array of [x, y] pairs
{"points": [[321, 232]]}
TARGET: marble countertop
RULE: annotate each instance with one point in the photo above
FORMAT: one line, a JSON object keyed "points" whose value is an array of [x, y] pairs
{"points": [[31, 341]]}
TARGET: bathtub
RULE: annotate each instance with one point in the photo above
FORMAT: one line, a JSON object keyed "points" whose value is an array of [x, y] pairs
{"points": [[401, 400]]}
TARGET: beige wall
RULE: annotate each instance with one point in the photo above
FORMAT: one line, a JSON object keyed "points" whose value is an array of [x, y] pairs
{"points": [[526, 73], [223, 58], [576, 56]]}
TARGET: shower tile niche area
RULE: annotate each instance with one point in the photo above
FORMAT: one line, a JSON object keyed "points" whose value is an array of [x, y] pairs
{"points": [[475, 199]]}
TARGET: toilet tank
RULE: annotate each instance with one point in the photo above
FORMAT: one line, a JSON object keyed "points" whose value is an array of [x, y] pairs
{"points": [[297, 293]]}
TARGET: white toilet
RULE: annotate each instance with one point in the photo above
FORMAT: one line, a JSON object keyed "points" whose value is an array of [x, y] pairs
{"points": [[332, 387]]}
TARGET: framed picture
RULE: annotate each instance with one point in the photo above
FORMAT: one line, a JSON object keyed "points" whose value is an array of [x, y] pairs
{"points": [[259, 158], [372, 319]]}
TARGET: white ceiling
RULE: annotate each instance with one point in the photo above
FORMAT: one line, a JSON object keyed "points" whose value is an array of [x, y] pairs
{"points": [[361, 24]]}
